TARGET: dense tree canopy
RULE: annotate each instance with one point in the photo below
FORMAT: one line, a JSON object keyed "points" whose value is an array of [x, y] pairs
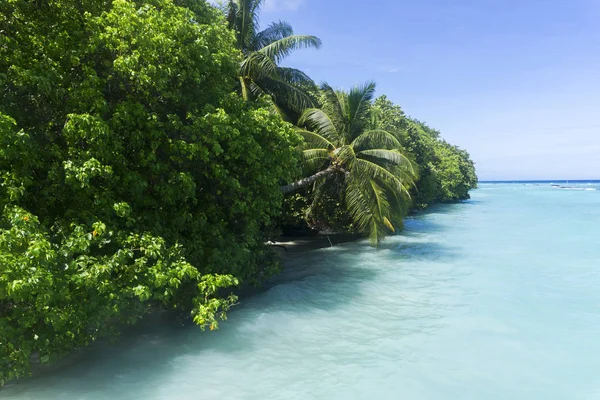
{"points": [[130, 175], [376, 176], [444, 172], [135, 175]]}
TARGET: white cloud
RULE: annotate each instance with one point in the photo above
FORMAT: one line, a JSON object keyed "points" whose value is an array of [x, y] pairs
{"points": [[389, 68], [277, 5]]}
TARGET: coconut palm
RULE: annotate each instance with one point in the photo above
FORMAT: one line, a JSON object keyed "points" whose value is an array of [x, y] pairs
{"points": [[260, 73], [377, 175]]}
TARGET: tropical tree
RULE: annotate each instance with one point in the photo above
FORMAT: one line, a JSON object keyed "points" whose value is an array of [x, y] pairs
{"points": [[260, 73], [375, 172], [446, 172], [131, 178]]}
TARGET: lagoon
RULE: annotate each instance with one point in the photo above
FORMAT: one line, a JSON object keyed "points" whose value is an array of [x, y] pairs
{"points": [[494, 298]]}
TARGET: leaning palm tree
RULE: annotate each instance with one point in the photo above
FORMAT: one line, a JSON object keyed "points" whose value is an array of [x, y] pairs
{"points": [[260, 73], [377, 175]]}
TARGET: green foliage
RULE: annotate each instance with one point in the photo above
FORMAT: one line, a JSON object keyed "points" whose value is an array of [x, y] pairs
{"points": [[130, 176], [260, 73], [446, 172], [133, 178], [456, 172], [309, 211], [367, 165], [60, 290]]}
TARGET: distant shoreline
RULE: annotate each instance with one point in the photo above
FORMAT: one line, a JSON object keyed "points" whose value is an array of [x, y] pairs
{"points": [[547, 181]]}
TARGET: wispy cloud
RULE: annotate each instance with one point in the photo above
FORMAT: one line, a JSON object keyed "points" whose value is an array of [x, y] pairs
{"points": [[278, 5], [388, 69]]}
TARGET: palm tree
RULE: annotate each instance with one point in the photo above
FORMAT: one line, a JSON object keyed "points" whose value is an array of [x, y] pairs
{"points": [[377, 175], [260, 73]]}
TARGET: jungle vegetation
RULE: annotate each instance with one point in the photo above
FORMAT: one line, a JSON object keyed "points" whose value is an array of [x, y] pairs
{"points": [[149, 148]]}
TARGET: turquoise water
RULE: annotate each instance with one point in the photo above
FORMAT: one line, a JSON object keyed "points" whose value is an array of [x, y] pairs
{"points": [[495, 298]]}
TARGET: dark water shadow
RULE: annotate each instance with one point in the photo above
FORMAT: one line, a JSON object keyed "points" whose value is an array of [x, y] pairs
{"points": [[422, 251], [472, 202], [433, 219], [419, 228]]}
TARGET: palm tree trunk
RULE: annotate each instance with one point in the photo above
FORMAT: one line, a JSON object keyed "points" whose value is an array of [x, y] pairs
{"points": [[292, 187], [244, 89]]}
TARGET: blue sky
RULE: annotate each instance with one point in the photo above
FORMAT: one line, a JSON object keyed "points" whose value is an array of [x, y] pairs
{"points": [[516, 83]]}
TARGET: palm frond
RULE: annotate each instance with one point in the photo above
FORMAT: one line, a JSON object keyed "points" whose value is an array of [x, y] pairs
{"points": [[283, 47], [275, 31], [407, 177], [254, 89], [250, 88], [332, 105], [376, 138], [257, 65], [296, 76], [393, 156], [315, 158], [313, 140], [318, 121], [358, 206], [381, 203], [388, 224], [243, 19], [359, 100], [368, 205], [345, 155], [281, 112], [232, 10], [311, 154], [399, 206], [293, 96], [374, 171], [290, 89]]}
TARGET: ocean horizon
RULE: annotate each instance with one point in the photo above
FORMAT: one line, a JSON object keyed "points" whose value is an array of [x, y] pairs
{"points": [[543, 181]]}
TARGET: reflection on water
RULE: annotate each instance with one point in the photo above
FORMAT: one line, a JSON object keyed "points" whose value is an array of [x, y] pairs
{"points": [[496, 298]]}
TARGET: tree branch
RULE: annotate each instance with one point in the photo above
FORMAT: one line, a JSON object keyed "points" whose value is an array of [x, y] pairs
{"points": [[292, 187]]}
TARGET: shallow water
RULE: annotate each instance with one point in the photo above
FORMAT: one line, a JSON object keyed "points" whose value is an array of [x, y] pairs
{"points": [[495, 298]]}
